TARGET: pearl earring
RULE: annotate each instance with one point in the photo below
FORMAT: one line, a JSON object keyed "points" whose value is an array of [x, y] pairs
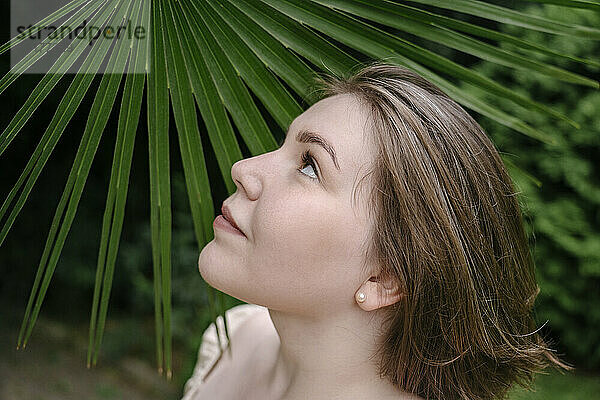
{"points": [[360, 297]]}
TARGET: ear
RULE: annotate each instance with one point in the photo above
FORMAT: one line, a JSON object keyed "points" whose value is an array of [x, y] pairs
{"points": [[379, 292]]}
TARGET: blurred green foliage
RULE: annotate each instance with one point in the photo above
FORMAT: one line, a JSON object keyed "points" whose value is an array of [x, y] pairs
{"points": [[556, 386], [563, 215]]}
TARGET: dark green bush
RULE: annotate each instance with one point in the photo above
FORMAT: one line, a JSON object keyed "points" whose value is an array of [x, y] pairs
{"points": [[563, 215]]}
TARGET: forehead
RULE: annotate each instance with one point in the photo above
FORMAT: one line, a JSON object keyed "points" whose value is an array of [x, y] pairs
{"points": [[343, 122]]}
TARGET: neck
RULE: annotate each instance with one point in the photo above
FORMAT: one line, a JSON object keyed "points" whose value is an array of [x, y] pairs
{"points": [[328, 358]]}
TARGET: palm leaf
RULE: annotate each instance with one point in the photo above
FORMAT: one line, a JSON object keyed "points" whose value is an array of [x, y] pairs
{"points": [[590, 5], [184, 110], [44, 87], [160, 186], [119, 180], [390, 15], [66, 109], [513, 17], [50, 19], [47, 265], [377, 43], [241, 52], [296, 36], [212, 110], [278, 101], [99, 115], [67, 58], [232, 91], [442, 21], [285, 64]]}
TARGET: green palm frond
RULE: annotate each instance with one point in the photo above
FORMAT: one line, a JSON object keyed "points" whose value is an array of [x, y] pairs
{"points": [[117, 192], [215, 60], [585, 4], [160, 179], [508, 16]]}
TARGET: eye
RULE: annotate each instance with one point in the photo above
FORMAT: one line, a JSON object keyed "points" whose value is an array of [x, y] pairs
{"points": [[308, 161]]}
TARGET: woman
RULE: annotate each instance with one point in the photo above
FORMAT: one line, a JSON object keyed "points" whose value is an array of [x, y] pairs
{"points": [[382, 251]]}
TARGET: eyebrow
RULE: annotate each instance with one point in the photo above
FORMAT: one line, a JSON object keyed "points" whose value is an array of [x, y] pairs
{"points": [[306, 136]]}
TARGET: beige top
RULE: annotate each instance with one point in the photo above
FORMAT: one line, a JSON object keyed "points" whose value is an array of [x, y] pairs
{"points": [[208, 354]]}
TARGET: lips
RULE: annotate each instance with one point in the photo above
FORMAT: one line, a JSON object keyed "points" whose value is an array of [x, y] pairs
{"points": [[227, 215]]}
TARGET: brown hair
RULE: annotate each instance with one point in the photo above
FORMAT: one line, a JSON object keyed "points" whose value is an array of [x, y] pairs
{"points": [[448, 229]]}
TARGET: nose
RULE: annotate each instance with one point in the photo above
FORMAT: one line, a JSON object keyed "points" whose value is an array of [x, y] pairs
{"points": [[246, 175]]}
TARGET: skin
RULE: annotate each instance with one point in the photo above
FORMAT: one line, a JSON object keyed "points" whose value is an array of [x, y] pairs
{"points": [[303, 258]]}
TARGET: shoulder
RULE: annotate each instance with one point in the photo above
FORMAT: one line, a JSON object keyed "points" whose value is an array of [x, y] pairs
{"points": [[246, 324]]}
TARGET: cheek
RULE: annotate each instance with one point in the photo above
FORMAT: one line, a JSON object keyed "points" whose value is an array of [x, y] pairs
{"points": [[310, 227], [305, 246]]}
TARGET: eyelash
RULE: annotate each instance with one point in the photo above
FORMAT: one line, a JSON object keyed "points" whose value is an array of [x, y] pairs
{"points": [[308, 159]]}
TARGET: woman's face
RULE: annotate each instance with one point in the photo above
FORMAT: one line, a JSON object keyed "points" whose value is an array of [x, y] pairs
{"points": [[305, 236]]}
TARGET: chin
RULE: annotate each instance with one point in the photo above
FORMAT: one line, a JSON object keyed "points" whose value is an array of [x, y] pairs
{"points": [[206, 264], [214, 268]]}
